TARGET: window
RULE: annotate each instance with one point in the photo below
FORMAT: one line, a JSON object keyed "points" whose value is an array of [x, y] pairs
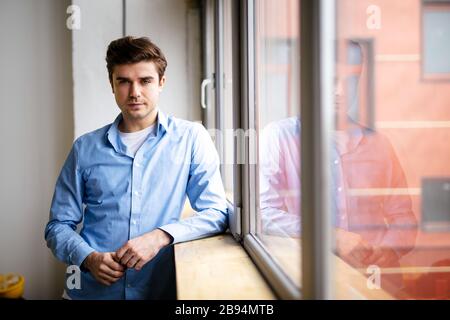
{"points": [[277, 124], [389, 201], [436, 39], [345, 186]]}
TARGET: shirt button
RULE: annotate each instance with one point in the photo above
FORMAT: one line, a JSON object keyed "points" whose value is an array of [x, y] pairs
{"points": [[336, 161], [342, 218], [133, 221], [128, 285], [137, 164], [136, 193], [339, 189]]}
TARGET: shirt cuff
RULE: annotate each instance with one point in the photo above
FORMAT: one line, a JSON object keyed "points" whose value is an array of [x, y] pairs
{"points": [[175, 230], [80, 253]]}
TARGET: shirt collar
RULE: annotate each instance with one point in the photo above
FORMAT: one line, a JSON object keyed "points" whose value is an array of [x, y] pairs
{"points": [[163, 124], [348, 140], [112, 135], [113, 132]]}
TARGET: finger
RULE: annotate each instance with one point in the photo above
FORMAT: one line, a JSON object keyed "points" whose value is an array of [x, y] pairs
{"points": [[373, 258], [115, 274], [126, 258], [120, 253], [141, 263], [366, 251], [114, 257], [106, 277], [386, 260], [112, 264], [352, 261], [381, 261], [359, 254], [110, 272], [132, 262]]}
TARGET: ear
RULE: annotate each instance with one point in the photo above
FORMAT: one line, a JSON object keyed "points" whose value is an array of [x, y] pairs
{"points": [[162, 82]]}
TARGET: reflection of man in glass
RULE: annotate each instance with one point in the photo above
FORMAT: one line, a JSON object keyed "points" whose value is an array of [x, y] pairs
{"points": [[373, 219]]}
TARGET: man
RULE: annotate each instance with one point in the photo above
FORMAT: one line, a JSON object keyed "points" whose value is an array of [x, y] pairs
{"points": [[370, 229], [128, 183]]}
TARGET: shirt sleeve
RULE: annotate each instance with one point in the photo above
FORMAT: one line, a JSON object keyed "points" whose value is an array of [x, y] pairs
{"points": [[205, 192], [402, 222], [66, 212], [275, 191]]}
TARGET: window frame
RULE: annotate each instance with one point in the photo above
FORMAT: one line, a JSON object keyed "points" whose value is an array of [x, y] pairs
{"points": [[318, 29], [208, 64], [213, 115]]}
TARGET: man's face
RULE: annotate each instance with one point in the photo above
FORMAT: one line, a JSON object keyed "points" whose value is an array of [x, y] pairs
{"points": [[136, 88], [348, 67]]}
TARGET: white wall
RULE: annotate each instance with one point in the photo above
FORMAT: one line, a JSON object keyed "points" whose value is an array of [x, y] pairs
{"points": [[94, 104], [174, 25], [36, 133]]}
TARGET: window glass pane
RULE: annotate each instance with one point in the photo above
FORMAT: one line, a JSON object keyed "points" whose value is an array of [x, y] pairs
{"points": [[436, 33], [278, 125], [390, 182]]}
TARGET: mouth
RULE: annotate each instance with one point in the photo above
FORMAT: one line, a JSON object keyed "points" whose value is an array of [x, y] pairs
{"points": [[134, 105], [338, 100]]}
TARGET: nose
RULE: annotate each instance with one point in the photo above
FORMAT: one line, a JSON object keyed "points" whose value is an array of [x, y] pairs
{"points": [[135, 91], [339, 89]]}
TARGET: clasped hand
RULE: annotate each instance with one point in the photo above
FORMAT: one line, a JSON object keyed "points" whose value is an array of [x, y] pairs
{"points": [[359, 253], [109, 267]]}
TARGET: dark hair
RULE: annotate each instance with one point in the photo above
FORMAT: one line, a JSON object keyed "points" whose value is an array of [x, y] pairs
{"points": [[129, 49]]}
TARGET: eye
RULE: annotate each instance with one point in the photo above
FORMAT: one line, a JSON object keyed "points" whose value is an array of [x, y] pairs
{"points": [[146, 81]]}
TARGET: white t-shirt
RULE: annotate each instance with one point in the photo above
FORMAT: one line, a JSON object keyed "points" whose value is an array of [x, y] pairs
{"points": [[134, 140]]}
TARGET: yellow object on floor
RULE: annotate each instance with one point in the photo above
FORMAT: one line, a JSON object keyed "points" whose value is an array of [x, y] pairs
{"points": [[11, 285]]}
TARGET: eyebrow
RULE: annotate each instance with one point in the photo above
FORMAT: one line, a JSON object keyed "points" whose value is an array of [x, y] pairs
{"points": [[141, 78]]}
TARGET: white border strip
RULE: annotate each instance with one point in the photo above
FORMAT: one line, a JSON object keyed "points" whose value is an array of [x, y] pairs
{"points": [[397, 57], [412, 124], [384, 192], [404, 270]]}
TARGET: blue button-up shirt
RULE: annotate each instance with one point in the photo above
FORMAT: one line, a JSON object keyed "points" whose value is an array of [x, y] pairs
{"points": [[120, 196]]}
